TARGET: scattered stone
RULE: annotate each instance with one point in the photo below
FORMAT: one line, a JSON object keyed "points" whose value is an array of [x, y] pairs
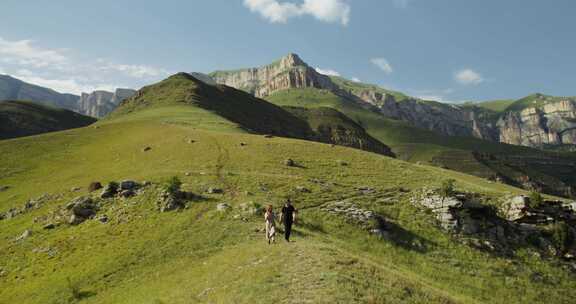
{"points": [[187, 173], [289, 162], [303, 189], [146, 149], [250, 209], [110, 190], [127, 193], [103, 219], [27, 233], [146, 184], [4, 188], [82, 208], [75, 189], [242, 144], [366, 190], [94, 186], [129, 185], [212, 190], [342, 163], [223, 207], [191, 141], [49, 226]]}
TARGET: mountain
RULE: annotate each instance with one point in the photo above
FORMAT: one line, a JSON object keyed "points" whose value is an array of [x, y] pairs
{"points": [[100, 103], [179, 219], [23, 118], [14, 89], [417, 130], [252, 114], [96, 104]]}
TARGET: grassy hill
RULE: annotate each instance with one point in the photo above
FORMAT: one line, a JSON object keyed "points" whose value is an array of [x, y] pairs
{"points": [[465, 154], [495, 105], [201, 255], [23, 118]]}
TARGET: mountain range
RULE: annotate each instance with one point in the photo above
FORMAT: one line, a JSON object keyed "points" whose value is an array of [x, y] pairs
{"points": [[96, 104]]}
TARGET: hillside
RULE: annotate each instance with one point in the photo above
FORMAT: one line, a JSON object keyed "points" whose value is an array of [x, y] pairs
{"points": [[495, 105], [211, 249], [230, 106], [22, 118], [519, 166]]}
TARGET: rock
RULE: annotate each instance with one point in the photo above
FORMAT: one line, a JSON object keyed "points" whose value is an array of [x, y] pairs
{"points": [[76, 220], [4, 188], [268, 136], [75, 189], [146, 149], [129, 185], [342, 163], [303, 189], [169, 204], [94, 186], [212, 190], [187, 174], [49, 226], [82, 208], [243, 144], [110, 190], [127, 193], [289, 162], [223, 207], [27, 233], [101, 103], [103, 219]]}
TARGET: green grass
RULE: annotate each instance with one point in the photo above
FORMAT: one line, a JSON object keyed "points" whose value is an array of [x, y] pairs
{"points": [[24, 118], [456, 153], [200, 255], [499, 105], [534, 101]]}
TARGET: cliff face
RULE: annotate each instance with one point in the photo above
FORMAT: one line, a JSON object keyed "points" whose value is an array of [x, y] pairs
{"points": [[287, 73], [100, 103], [534, 121], [553, 123], [15, 89]]}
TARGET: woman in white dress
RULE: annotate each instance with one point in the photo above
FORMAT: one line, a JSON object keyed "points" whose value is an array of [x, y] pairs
{"points": [[270, 219]]}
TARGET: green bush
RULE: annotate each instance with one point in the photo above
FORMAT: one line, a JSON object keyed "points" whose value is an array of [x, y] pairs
{"points": [[447, 188], [173, 185], [562, 236], [536, 200]]}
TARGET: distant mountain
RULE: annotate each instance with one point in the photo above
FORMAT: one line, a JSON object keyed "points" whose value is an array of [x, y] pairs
{"points": [[535, 121], [252, 114], [15, 89], [463, 138], [24, 118], [100, 103], [96, 104]]}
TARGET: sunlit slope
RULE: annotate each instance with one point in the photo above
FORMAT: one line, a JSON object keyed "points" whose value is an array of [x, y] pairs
{"points": [[202, 255]]}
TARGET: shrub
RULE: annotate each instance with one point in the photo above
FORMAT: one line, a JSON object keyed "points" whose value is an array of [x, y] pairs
{"points": [[562, 236], [536, 200], [447, 188], [173, 185]]}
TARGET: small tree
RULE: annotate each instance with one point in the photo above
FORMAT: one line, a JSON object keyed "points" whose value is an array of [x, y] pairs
{"points": [[173, 185], [562, 236], [536, 200], [447, 188]]}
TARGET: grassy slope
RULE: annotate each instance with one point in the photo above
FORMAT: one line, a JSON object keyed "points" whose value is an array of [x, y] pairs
{"points": [[23, 118], [199, 255], [417, 145], [495, 105]]}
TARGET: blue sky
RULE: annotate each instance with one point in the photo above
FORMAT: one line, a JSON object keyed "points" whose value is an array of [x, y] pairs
{"points": [[452, 50]]}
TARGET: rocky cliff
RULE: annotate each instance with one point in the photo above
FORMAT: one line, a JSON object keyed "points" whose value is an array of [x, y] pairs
{"points": [[534, 121], [286, 73], [100, 103]]}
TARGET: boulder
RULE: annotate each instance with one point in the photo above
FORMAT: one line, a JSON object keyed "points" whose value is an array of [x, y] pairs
{"points": [[515, 208], [146, 149], [49, 226], [289, 162], [4, 188], [129, 185], [103, 219], [94, 186], [27, 233], [110, 190], [223, 207], [127, 193], [212, 190], [76, 220]]}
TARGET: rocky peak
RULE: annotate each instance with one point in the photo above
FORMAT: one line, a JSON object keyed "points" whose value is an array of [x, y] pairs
{"points": [[100, 103], [292, 60]]}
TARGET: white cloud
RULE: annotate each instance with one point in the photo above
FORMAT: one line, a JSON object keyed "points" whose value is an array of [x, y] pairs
{"points": [[23, 53], [332, 11], [328, 72], [61, 70], [356, 79], [468, 77], [382, 64]]}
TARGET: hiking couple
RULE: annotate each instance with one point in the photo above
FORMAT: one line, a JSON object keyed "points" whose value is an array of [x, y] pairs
{"points": [[287, 216]]}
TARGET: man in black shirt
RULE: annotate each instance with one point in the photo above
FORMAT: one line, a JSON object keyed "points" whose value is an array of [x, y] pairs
{"points": [[288, 216]]}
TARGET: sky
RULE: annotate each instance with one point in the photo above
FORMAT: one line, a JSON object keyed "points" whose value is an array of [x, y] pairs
{"points": [[446, 50]]}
